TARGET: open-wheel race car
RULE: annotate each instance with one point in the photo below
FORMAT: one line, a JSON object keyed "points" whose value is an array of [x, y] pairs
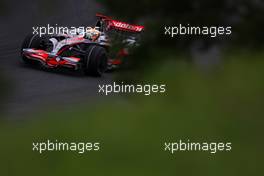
{"points": [[86, 50]]}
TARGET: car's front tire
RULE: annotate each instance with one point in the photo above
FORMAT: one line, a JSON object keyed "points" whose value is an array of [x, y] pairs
{"points": [[32, 41]]}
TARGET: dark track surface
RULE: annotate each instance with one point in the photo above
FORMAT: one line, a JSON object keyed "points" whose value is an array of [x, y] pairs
{"points": [[32, 89]]}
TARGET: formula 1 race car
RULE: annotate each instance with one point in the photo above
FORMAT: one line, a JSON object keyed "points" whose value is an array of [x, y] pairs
{"points": [[86, 50]]}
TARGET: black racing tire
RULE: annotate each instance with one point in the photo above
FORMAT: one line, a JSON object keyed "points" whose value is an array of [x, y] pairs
{"points": [[31, 41], [95, 61]]}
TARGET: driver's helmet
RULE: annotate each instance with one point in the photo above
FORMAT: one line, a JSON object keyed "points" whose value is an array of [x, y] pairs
{"points": [[92, 34]]}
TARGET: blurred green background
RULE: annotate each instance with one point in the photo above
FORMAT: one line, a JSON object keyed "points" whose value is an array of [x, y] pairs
{"points": [[219, 101], [224, 106]]}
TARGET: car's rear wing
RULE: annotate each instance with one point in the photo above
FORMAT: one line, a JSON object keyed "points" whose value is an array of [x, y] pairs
{"points": [[118, 25]]}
